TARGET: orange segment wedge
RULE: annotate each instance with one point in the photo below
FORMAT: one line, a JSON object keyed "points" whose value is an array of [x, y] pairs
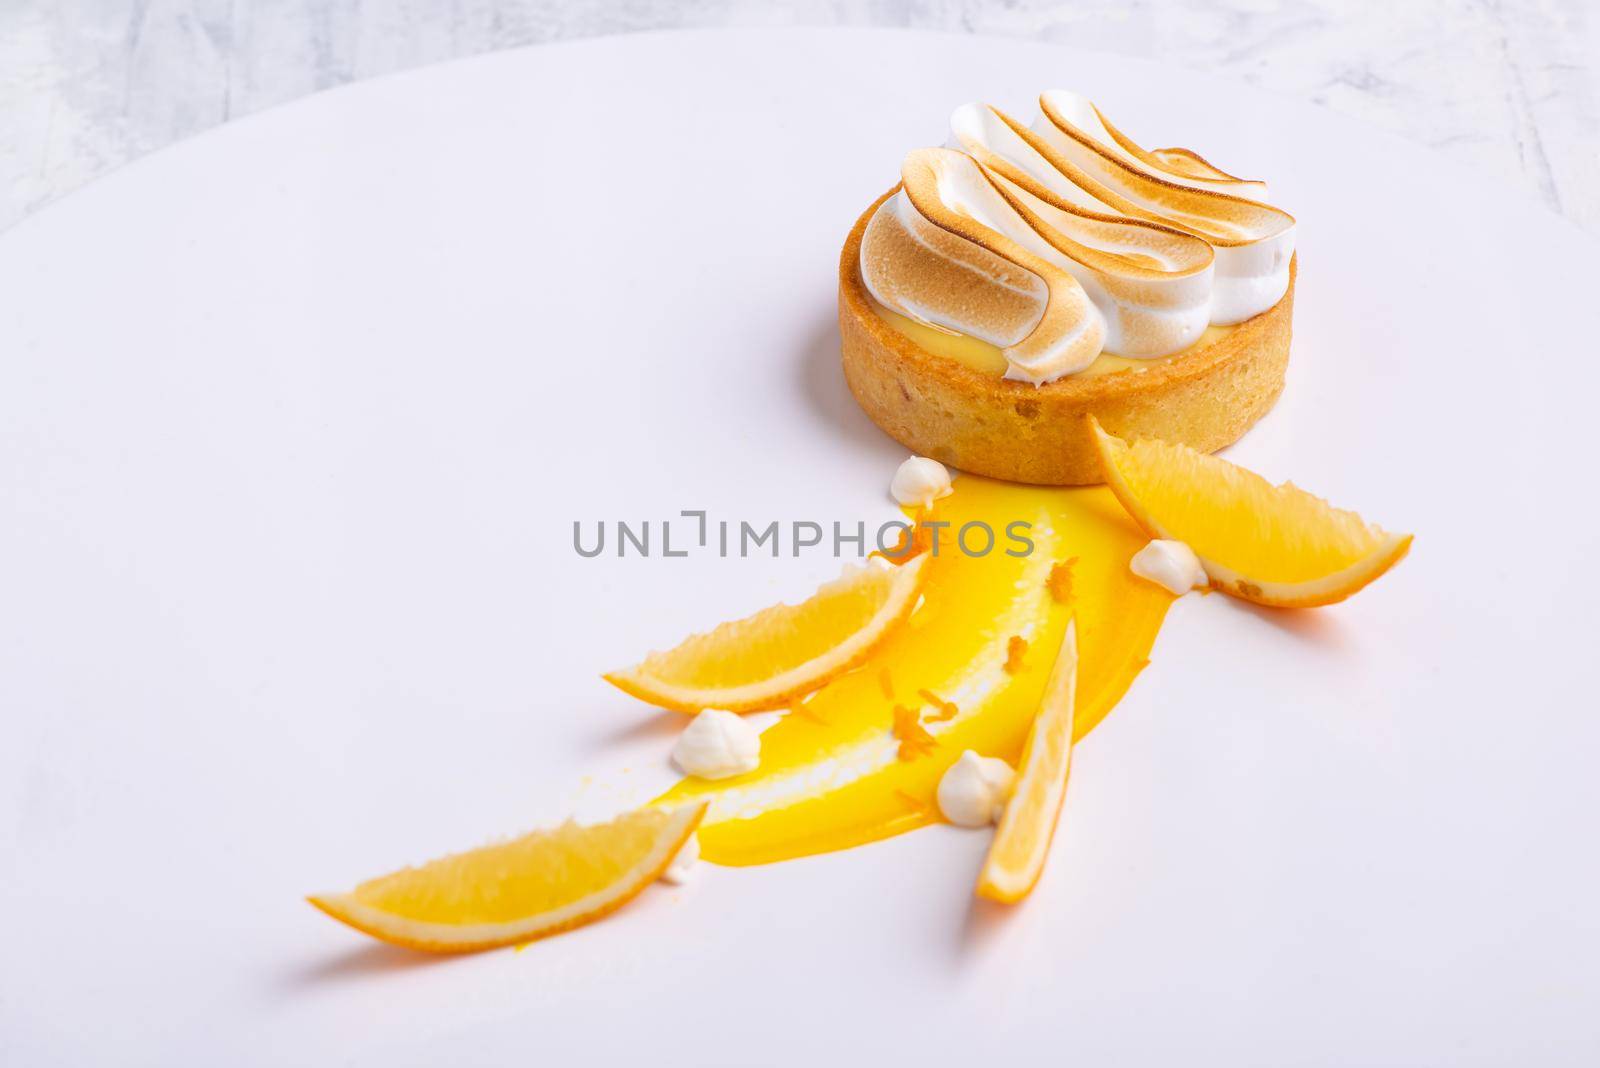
{"points": [[1022, 841], [784, 652], [1274, 545], [537, 885]]}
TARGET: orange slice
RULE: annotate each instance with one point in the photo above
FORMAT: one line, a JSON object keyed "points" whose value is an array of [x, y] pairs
{"points": [[1022, 841], [537, 885], [1274, 545], [783, 652]]}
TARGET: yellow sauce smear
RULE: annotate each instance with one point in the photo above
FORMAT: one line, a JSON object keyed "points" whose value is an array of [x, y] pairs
{"points": [[833, 777]]}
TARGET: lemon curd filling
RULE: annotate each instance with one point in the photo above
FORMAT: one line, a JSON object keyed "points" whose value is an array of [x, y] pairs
{"points": [[982, 356], [861, 759]]}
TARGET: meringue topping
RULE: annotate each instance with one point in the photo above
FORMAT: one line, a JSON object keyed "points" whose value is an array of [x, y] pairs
{"points": [[948, 249], [1253, 240], [1066, 239]]}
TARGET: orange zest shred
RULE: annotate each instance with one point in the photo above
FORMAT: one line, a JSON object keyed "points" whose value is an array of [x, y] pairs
{"points": [[886, 684], [900, 551], [911, 802], [947, 709], [915, 538], [1060, 581], [797, 706], [1016, 649], [915, 740]]}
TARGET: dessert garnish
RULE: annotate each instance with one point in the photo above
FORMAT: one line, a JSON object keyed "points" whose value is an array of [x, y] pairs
{"points": [[974, 790], [518, 891], [1059, 582], [1010, 658], [823, 788], [717, 745], [1022, 841], [920, 481], [782, 652], [1274, 545], [1172, 565], [907, 729]]}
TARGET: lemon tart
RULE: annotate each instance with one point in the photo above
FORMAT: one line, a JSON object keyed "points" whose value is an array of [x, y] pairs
{"points": [[1028, 277]]}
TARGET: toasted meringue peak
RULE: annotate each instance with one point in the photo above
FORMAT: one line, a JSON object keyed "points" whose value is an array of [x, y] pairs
{"points": [[950, 250], [1254, 241], [1060, 239], [1176, 164], [1152, 284], [1072, 133]]}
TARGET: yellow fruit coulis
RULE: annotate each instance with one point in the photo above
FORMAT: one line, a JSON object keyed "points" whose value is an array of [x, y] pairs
{"points": [[860, 759]]}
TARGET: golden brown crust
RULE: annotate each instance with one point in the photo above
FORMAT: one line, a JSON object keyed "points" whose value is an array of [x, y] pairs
{"points": [[937, 407]]}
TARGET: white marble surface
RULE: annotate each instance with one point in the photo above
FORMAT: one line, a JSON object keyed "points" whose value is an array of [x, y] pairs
{"points": [[1506, 88]]}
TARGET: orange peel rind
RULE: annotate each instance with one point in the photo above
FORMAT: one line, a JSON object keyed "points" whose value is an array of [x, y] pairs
{"points": [[1273, 545]]}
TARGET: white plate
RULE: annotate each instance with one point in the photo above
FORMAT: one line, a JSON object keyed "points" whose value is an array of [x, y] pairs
{"points": [[295, 420]]}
